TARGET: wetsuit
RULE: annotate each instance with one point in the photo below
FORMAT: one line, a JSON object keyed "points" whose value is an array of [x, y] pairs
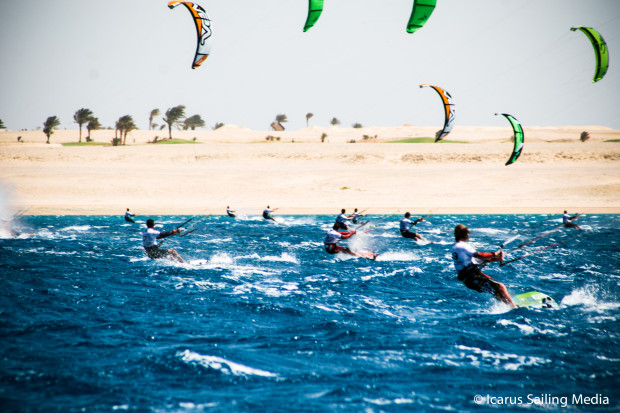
{"points": [[129, 217], [230, 213], [266, 214], [468, 270]]}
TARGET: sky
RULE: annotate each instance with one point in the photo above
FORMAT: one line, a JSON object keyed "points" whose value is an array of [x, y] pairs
{"points": [[357, 64]]}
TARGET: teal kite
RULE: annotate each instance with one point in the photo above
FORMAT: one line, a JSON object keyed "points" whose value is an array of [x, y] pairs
{"points": [[422, 10], [600, 51], [315, 8]]}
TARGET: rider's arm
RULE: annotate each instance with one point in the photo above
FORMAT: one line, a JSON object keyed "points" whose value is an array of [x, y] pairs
{"points": [[165, 234]]}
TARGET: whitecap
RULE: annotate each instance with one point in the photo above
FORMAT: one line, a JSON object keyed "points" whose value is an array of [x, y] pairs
{"points": [[284, 257], [508, 361], [77, 228], [384, 402], [225, 366], [398, 256], [222, 259]]}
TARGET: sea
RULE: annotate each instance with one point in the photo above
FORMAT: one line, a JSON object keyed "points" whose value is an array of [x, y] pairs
{"points": [[261, 319]]}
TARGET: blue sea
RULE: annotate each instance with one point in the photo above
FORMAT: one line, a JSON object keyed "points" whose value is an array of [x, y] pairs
{"points": [[262, 319]]}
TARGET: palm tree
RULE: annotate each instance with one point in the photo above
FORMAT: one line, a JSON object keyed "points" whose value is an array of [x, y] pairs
{"points": [[2, 125], [154, 112], [81, 117], [49, 125], [308, 116], [124, 125], [335, 122], [280, 119], [193, 122], [93, 124], [173, 116]]}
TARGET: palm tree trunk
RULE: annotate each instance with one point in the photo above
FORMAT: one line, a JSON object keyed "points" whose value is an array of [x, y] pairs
{"points": [[80, 132]]}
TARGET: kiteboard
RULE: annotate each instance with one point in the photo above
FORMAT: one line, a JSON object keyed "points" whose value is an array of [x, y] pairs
{"points": [[535, 299], [367, 254]]}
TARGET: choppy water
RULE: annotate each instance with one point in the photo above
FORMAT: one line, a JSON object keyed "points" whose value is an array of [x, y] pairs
{"points": [[262, 319]]}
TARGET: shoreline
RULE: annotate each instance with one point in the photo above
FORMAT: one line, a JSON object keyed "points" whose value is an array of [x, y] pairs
{"points": [[237, 167]]}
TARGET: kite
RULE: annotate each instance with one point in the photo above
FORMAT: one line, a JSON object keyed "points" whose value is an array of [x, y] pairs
{"points": [[449, 109], [315, 7], [203, 30], [422, 10], [518, 138], [600, 51]]}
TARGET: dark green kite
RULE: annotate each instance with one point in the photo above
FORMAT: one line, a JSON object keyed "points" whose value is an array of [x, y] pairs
{"points": [[315, 8], [420, 13]]}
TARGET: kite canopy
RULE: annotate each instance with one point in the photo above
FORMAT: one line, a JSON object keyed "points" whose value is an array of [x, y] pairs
{"points": [[518, 135], [420, 13], [315, 8], [448, 108], [600, 51], [203, 30]]}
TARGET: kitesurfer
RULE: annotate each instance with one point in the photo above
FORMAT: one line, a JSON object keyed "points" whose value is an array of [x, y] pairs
{"points": [[267, 213], [467, 263], [129, 216], [405, 227], [230, 212], [342, 218], [149, 240], [331, 241], [566, 220], [356, 215]]}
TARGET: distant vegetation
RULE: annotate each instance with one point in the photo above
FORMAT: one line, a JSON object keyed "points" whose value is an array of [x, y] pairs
{"points": [[173, 117], [81, 117], [49, 125]]}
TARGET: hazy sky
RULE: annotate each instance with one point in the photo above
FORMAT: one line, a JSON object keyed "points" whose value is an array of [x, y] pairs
{"points": [[357, 64]]}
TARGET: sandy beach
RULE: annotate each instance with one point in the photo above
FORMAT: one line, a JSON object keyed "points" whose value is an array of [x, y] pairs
{"points": [[298, 174]]}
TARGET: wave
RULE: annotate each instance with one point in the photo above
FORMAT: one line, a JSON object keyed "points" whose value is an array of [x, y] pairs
{"points": [[222, 365]]}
